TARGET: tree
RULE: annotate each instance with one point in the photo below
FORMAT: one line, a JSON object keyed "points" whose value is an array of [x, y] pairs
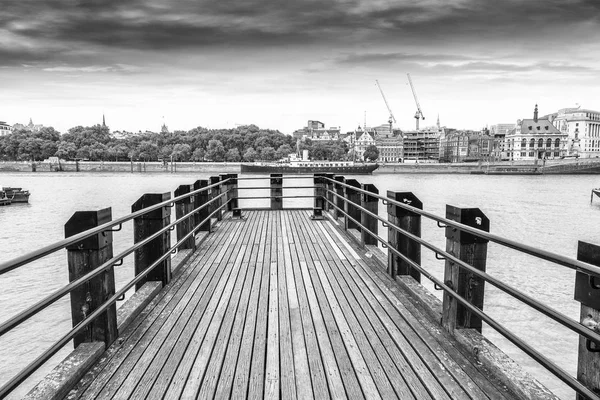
{"points": [[66, 150], [181, 152], [250, 154], [233, 155], [215, 151], [371, 153], [284, 150], [268, 153], [198, 154]]}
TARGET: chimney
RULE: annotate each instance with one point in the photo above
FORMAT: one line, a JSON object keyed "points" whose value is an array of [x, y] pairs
{"points": [[535, 114]]}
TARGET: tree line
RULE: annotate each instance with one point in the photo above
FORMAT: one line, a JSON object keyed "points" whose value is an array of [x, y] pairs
{"points": [[96, 143]]}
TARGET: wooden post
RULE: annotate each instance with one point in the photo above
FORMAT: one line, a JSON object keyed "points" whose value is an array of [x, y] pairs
{"points": [[214, 192], [145, 226], [410, 222], [472, 250], [339, 201], [328, 190], [319, 192], [587, 292], [183, 207], [199, 201], [369, 223], [276, 191], [83, 257], [353, 197], [232, 187]]}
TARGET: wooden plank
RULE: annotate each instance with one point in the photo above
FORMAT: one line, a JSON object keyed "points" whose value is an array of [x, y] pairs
{"points": [[383, 293], [155, 313], [300, 357], [383, 369]]}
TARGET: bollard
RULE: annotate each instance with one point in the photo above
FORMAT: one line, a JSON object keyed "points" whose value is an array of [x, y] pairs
{"points": [[328, 191], [587, 292], [215, 192], [200, 201], [368, 222], [352, 197], [472, 250], [411, 223], [319, 192], [145, 226], [183, 207], [83, 257], [276, 191], [339, 199]]}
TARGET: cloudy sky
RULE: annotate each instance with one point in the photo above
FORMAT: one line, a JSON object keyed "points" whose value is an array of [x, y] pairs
{"points": [[277, 64]]}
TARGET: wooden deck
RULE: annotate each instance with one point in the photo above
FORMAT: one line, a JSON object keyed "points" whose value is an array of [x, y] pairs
{"points": [[280, 306]]}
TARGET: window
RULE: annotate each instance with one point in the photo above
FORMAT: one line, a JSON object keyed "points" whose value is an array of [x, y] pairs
{"points": [[557, 143], [541, 143], [531, 154], [523, 143], [532, 143], [549, 142], [523, 154], [556, 154]]}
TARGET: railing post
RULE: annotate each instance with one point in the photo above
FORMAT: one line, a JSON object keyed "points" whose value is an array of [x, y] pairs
{"points": [[146, 225], [328, 190], [353, 197], [410, 222], [368, 222], [587, 292], [339, 201], [232, 186], [183, 207], [83, 257], [276, 191], [201, 200], [472, 250], [319, 192], [214, 192]]}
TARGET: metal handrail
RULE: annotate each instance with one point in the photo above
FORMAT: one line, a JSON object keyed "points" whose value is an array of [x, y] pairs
{"points": [[530, 351], [255, 178], [543, 254], [44, 251]]}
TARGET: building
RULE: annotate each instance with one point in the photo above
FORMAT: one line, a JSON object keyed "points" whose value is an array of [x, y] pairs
{"points": [[534, 139], [468, 146], [364, 139], [582, 128], [422, 145], [29, 127], [499, 132], [391, 148], [315, 130], [5, 129]]}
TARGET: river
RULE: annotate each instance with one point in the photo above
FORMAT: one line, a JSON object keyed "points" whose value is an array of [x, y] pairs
{"points": [[548, 212]]}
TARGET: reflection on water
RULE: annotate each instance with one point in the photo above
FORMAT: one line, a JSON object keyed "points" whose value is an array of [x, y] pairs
{"points": [[549, 212]]}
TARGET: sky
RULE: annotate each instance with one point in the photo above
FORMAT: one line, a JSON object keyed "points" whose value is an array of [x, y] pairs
{"points": [[278, 64]]}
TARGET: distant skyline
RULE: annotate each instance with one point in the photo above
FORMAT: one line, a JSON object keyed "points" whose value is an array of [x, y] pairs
{"points": [[276, 64]]}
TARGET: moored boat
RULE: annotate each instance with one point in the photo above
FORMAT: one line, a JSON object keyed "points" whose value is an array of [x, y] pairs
{"points": [[4, 201], [16, 195], [311, 167]]}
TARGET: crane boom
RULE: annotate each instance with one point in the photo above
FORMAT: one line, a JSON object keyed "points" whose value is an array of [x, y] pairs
{"points": [[392, 118], [419, 113]]}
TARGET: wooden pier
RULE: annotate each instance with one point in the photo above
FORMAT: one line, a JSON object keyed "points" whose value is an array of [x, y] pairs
{"points": [[280, 306]]}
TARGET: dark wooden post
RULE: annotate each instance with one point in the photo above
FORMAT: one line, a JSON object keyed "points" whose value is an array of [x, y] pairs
{"points": [[353, 197], [225, 188], [83, 257], [214, 192], [145, 226], [319, 192], [328, 189], [472, 250], [183, 207], [411, 223], [201, 200], [587, 292], [369, 223], [232, 187], [276, 191], [339, 201]]}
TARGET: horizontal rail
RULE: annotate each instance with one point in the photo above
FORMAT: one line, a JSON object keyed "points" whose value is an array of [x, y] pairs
{"points": [[282, 187], [275, 197], [44, 251], [530, 351], [46, 355], [255, 178]]}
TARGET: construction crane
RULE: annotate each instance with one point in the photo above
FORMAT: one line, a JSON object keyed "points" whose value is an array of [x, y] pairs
{"points": [[419, 113], [392, 118]]}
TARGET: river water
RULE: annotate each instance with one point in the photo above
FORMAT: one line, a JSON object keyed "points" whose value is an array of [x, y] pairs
{"points": [[548, 212]]}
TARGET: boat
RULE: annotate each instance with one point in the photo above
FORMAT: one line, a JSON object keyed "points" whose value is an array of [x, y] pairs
{"points": [[596, 192], [16, 195], [310, 167], [4, 201]]}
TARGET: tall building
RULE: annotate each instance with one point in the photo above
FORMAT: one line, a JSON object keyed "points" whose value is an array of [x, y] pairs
{"points": [[5, 129], [582, 128], [534, 139], [423, 145], [499, 132], [468, 146]]}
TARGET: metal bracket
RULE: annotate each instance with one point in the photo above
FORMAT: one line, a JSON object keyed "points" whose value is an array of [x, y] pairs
{"points": [[121, 297], [114, 230], [447, 283], [592, 349], [385, 246], [174, 251], [440, 225], [172, 228], [118, 263], [437, 255], [384, 202], [385, 224]]}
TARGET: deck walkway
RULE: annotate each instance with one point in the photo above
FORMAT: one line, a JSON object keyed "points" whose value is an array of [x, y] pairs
{"points": [[279, 306]]}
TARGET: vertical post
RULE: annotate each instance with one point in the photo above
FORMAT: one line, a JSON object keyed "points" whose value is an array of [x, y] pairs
{"points": [[319, 192], [146, 225], [368, 222], [339, 201], [353, 197], [276, 191], [587, 292], [83, 257], [328, 188], [232, 187], [200, 201], [214, 192], [225, 186], [472, 250], [183, 207], [410, 222]]}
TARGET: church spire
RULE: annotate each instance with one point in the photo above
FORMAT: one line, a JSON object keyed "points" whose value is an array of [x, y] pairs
{"points": [[535, 114], [103, 121]]}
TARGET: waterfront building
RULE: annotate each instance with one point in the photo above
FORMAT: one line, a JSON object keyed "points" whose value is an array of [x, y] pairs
{"points": [[499, 132], [422, 145], [390, 148], [534, 139], [5, 129], [468, 146], [582, 127], [315, 130], [364, 139]]}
